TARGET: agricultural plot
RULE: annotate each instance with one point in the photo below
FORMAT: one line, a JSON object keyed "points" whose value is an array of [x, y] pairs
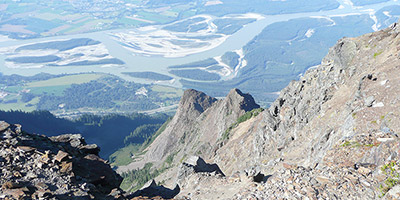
{"points": [[81, 93]]}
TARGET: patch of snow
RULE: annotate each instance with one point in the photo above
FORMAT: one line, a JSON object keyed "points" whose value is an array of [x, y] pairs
{"points": [[242, 62], [147, 28]]}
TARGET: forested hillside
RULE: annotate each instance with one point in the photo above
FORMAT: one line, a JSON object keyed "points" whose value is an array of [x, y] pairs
{"points": [[70, 95], [109, 131]]}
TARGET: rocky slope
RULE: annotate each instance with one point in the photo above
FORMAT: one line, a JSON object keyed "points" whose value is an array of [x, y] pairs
{"points": [[198, 124], [349, 97], [196, 129], [330, 135], [60, 167]]}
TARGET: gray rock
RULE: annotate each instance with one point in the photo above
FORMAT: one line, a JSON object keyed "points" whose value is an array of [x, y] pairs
{"points": [[61, 156], [199, 165], [369, 101], [252, 174], [3, 126], [151, 189], [393, 193], [90, 149]]}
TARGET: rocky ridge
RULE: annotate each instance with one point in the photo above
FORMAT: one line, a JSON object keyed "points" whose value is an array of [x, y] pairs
{"points": [[199, 122], [333, 134], [196, 129]]}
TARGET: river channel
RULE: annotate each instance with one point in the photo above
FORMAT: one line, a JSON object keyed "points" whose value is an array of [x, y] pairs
{"points": [[159, 64]]}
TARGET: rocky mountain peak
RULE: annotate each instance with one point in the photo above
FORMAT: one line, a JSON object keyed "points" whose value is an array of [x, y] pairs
{"points": [[238, 100], [195, 101], [197, 128]]}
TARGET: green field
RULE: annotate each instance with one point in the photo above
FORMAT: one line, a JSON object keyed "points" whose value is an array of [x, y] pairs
{"points": [[80, 93], [124, 155], [14, 89], [20, 106], [54, 86], [167, 92], [66, 80], [56, 90]]}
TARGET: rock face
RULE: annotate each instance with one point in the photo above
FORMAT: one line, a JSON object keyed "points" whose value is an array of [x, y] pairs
{"points": [[333, 134], [197, 128], [191, 106], [330, 135], [60, 167], [199, 122]]}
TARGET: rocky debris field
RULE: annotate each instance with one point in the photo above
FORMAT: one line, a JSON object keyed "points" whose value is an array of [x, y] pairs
{"points": [[60, 167]]}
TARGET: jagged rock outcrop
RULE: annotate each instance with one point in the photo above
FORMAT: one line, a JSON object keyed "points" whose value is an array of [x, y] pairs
{"points": [[196, 129], [194, 165], [191, 106], [199, 122], [152, 190], [59, 167]]}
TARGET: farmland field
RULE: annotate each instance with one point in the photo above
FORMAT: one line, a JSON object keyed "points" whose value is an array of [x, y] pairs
{"points": [[69, 95], [66, 80]]}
